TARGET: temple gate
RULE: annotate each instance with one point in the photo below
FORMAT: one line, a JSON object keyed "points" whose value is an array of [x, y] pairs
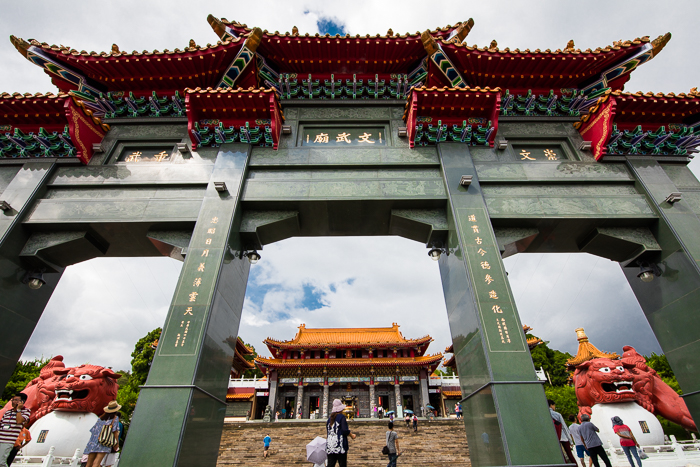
{"points": [[209, 153]]}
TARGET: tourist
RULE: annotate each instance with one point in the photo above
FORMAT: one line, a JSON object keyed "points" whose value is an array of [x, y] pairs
{"points": [[628, 442], [95, 450], [337, 439], [562, 431], [580, 450], [392, 443], [407, 419], [375, 411], [591, 441], [266, 446], [277, 416], [415, 423], [111, 458], [458, 410], [22, 440], [11, 426]]}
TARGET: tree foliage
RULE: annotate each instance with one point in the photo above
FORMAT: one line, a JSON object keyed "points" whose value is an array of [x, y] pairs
{"points": [[255, 371], [553, 362], [24, 373], [130, 382], [565, 398]]}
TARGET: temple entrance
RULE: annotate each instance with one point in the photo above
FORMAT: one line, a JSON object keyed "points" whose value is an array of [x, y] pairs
{"points": [[289, 407], [314, 405], [407, 401]]}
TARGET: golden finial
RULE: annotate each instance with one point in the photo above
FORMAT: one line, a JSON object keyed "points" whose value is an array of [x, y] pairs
{"points": [[587, 351], [659, 43], [390, 32], [193, 44], [115, 49], [295, 30], [570, 45], [694, 91], [493, 44]]}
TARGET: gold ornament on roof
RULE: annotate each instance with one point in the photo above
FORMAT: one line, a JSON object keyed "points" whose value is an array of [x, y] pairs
{"points": [[587, 351], [570, 45], [295, 30], [115, 49]]}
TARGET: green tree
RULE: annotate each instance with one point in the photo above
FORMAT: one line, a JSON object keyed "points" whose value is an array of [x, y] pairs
{"points": [[565, 398], [24, 373], [130, 382], [660, 364], [553, 362], [255, 371]]}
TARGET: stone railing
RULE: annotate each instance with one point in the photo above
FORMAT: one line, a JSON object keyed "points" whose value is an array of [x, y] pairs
{"points": [[54, 461], [674, 454], [248, 383]]}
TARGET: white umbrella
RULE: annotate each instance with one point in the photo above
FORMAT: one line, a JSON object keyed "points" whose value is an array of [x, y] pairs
{"points": [[316, 451]]}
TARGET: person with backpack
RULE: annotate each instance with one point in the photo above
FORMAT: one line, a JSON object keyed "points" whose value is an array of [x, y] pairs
{"points": [[392, 444]]}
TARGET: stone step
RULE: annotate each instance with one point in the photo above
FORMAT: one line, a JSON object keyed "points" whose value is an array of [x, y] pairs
{"points": [[439, 443]]}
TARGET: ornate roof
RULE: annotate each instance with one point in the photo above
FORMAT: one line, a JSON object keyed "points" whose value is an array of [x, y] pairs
{"points": [[587, 351], [147, 71], [452, 394], [348, 362], [347, 337], [541, 69], [341, 55]]}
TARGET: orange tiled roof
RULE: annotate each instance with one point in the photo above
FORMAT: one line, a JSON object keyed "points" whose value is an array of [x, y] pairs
{"points": [[587, 351], [452, 393], [333, 337], [240, 397], [345, 362], [450, 362]]}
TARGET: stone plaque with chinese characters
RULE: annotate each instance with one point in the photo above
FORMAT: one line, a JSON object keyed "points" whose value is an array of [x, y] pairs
{"points": [[146, 155], [339, 137], [490, 284], [539, 153]]}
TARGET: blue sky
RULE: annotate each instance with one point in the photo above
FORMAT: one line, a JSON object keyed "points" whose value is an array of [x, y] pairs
{"points": [[351, 281]]}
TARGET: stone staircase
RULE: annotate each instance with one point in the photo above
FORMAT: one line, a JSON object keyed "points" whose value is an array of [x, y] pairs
{"points": [[439, 443]]}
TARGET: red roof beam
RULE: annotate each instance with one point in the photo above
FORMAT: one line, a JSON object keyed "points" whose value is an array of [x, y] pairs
{"points": [[234, 107], [452, 106]]}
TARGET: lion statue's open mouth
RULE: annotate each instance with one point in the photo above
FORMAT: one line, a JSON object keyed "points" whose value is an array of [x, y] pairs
{"points": [[617, 387], [63, 395]]}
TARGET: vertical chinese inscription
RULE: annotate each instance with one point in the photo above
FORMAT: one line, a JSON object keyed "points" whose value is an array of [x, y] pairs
{"points": [[194, 290], [490, 287]]}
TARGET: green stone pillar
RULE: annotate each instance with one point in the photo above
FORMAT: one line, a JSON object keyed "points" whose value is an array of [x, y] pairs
{"points": [[20, 307], [672, 300], [180, 412], [506, 416]]}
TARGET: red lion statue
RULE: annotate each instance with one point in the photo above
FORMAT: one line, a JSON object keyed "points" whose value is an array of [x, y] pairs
{"points": [[87, 388], [602, 381]]}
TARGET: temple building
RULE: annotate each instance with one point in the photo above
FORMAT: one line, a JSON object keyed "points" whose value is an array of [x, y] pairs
{"points": [[365, 367]]}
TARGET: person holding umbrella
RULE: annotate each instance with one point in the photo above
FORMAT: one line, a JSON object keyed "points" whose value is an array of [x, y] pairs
{"points": [[316, 452], [338, 432]]}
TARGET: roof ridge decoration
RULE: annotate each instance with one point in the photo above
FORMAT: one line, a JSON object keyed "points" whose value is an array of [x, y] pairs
{"points": [[223, 26], [587, 351], [23, 46], [569, 49]]}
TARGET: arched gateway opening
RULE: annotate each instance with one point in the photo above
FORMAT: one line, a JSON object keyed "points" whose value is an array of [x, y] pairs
{"points": [[548, 162]]}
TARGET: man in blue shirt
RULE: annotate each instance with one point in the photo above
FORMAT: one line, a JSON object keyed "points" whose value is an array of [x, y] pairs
{"points": [[266, 441]]}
